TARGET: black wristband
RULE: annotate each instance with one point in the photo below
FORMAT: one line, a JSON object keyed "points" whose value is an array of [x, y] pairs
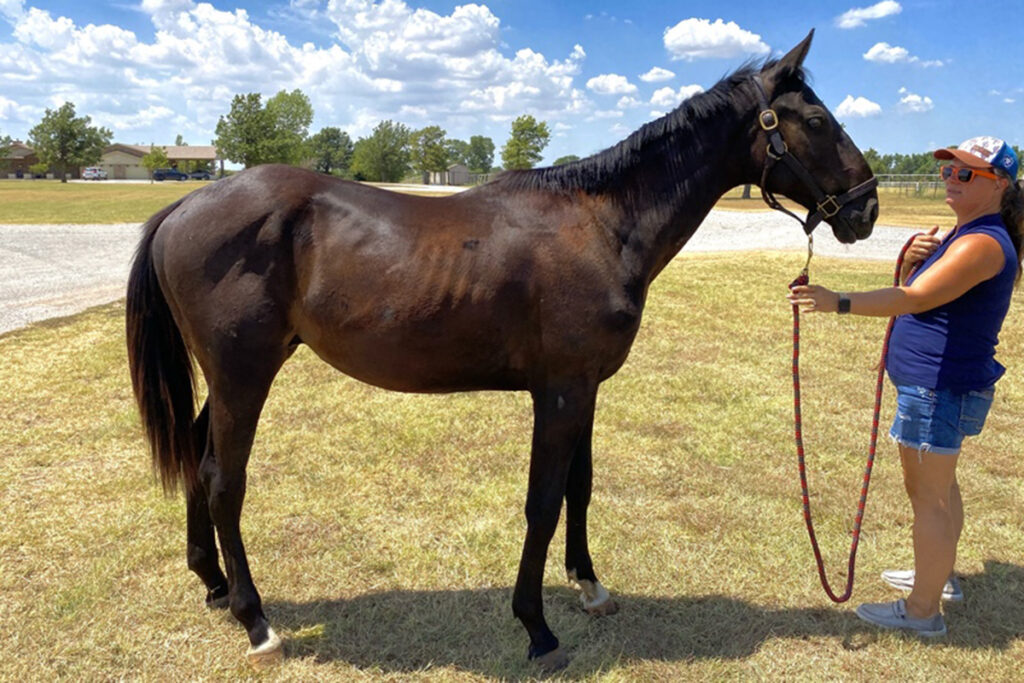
{"points": [[844, 304]]}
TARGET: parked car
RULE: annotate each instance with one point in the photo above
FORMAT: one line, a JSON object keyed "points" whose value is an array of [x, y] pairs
{"points": [[94, 173], [199, 175], [169, 174]]}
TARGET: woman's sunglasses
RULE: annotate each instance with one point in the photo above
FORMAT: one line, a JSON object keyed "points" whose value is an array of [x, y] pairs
{"points": [[964, 175]]}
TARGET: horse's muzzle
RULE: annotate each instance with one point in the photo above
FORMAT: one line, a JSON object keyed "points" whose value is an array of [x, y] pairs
{"points": [[854, 223]]}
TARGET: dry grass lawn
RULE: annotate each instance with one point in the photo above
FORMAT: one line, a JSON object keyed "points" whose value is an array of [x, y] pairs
{"points": [[83, 203], [384, 529]]}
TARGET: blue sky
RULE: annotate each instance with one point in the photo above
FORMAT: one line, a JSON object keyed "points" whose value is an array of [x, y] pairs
{"points": [[903, 76]]}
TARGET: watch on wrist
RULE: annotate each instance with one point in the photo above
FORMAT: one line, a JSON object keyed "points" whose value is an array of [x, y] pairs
{"points": [[844, 304]]}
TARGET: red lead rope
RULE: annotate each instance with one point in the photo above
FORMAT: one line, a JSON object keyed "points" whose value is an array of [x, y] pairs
{"points": [[798, 424]]}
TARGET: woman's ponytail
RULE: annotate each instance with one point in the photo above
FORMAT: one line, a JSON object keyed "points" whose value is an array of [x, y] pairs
{"points": [[1012, 212]]}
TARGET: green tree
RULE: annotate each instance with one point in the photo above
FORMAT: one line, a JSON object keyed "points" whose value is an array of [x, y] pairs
{"points": [[525, 144], [428, 151], [458, 151], [157, 158], [567, 159], [64, 141], [331, 150], [480, 157], [384, 156], [252, 134], [241, 135], [289, 115]]}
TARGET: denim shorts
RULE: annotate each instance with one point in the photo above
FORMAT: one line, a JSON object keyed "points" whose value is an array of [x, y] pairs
{"points": [[937, 420]]}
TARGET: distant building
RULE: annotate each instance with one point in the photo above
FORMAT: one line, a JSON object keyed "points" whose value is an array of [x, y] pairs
{"points": [[121, 162], [17, 160], [124, 162], [457, 174]]}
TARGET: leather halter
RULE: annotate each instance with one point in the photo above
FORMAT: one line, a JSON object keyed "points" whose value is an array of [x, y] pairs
{"points": [[827, 205]]}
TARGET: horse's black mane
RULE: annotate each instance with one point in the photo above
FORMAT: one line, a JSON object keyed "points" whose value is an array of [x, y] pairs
{"points": [[593, 173]]}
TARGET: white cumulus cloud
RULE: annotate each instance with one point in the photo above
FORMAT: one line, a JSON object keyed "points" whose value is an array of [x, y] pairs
{"points": [[657, 75], [914, 103], [611, 84], [894, 54], [857, 107], [700, 38], [669, 98], [857, 17]]}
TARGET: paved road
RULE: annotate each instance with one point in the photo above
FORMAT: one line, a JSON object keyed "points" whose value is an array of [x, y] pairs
{"points": [[47, 271]]}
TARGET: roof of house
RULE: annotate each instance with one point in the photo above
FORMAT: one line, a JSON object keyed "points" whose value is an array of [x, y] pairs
{"points": [[18, 150], [174, 152]]}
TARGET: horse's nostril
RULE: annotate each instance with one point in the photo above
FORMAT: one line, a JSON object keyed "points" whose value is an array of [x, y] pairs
{"points": [[873, 211]]}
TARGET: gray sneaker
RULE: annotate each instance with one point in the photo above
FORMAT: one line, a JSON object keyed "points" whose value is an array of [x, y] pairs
{"points": [[904, 580], [894, 615]]}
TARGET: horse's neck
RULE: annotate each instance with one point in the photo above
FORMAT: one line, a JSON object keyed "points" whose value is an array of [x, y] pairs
{"points": [[689, 180]]}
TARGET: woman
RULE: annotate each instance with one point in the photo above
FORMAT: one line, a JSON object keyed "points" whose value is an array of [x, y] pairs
{"points": [[942, 360]]}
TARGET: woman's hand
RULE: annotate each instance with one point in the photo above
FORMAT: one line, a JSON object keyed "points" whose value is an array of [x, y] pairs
{"points": [[814, 299], [923, 246]]}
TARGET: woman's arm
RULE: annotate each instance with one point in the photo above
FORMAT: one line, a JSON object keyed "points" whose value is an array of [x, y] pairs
{"points": [[970, 260]]}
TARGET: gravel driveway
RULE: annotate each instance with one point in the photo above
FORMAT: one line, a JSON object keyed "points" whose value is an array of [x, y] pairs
{"points": [[48, 271]]}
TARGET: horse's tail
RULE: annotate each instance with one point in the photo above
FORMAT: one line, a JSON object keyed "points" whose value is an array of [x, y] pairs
{"points": [[161, 368]]}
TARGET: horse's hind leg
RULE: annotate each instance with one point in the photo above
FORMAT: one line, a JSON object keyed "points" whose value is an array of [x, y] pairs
{"points": [[578, 565], [202, 546], [237, 394]]}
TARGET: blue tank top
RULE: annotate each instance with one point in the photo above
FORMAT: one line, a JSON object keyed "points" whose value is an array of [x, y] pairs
{"points": [[953, 346]]}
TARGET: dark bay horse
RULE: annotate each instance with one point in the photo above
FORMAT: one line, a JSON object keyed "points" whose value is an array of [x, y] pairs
{"points": [[534, 282]]}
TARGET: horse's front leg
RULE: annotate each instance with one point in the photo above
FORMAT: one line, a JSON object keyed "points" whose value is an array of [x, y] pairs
{"points": [[561, 416], [578, 565]]}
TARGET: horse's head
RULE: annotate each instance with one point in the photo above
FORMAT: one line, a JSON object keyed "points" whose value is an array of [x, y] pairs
{"points": [[803, 153]]}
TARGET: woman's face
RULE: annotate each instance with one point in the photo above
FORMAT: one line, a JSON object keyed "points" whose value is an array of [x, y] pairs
{"points": [[978, 197]]}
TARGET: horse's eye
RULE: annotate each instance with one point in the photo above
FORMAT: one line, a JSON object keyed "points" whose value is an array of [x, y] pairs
{"points": [[816, 122]]}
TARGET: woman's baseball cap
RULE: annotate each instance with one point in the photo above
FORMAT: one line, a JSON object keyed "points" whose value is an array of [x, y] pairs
{"points": [[983, 151]]}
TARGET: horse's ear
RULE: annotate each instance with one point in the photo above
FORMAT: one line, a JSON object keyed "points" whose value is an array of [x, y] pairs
{"points": [[792, 62]]}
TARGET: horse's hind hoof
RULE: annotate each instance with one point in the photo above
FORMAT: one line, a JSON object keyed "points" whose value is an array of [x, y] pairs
{"points": [[556, 660], [606, 608], [267, 655]]}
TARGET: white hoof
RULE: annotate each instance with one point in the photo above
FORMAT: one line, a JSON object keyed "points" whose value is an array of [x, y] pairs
{"points": [[268, 654]]}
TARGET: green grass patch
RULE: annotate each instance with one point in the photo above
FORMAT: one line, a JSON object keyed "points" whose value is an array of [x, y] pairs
{"points": [[46, 201], [384, 529]]}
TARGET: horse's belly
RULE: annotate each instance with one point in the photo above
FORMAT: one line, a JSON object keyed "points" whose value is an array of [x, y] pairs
{"points": [[423, 363]]}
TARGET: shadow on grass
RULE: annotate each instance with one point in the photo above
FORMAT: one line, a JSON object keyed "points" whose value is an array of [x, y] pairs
{"points": [[473, 630]]}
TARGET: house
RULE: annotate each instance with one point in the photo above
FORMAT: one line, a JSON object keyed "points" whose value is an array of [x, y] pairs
{"points": [[124, 162], [457, 174], [18, 160]]}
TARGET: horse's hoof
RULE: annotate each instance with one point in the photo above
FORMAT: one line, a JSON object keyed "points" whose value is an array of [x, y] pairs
{"points": [[556, 660], [267, 655], [606, 608], [218, 598]]}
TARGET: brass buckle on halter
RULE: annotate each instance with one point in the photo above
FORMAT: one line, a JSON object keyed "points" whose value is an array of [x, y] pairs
{"points": [[768, 119], [826, 207]]}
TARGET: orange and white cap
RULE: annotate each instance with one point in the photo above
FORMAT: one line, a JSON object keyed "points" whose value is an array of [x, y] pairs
{"points": [[981, 152]]}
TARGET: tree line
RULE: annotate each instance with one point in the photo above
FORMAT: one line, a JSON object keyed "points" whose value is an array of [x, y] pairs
{"points": [[277, 131], [907, 164], [253, 133]]}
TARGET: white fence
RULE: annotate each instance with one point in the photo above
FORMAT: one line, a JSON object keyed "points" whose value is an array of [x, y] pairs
{"points": [[917, 184]]}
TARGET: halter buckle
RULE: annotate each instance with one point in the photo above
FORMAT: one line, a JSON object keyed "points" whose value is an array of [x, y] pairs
{"points": [[768, 119], [826, 206]]}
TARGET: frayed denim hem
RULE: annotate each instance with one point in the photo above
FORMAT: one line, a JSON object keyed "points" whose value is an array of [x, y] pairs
{"points": [[923, 447]]}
